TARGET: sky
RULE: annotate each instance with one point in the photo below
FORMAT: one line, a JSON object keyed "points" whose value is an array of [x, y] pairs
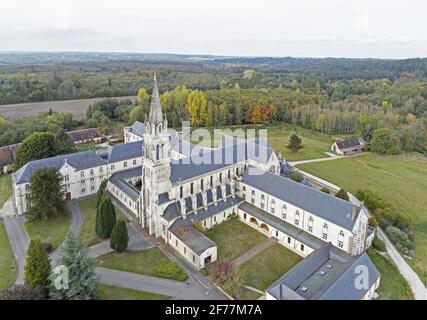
{"points": [[299, 28]]}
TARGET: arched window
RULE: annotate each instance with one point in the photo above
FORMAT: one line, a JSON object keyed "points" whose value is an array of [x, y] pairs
{"points": [[310, 219], [211, 181], [284, 211], [262, 197], [325, 226], [253, 192], [192, 187], [296, 220], [201, 184], [341, 233], [220, 177], [229, 174], [157, 152], [180, 192], [273, 206]]}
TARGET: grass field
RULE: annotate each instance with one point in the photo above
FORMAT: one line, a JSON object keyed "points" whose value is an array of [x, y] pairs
{"points": [[401, 180], [145, 262], [107, 292], [234, 238], [5, 189], [8, 269], [268, 266], [52, 230], [315, 143], [392, 284], [87, 233]]}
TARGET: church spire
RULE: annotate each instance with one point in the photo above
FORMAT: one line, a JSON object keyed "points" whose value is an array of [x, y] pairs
{"points": [[156, 115]]}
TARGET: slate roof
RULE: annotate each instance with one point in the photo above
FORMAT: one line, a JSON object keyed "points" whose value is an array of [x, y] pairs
{"points": [[125, 151], [345, 144], [7, 154], [84, 134], [285, 168], [193, 238], [326, 206], [322, 277], [129, 173], [126, 187], [138, 128], [230, 151], [79, 161]]}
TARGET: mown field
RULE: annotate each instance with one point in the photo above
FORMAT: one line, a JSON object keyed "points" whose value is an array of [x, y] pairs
{"points": [[8, 268], [315, 144], [5, 189], [401, 180]]}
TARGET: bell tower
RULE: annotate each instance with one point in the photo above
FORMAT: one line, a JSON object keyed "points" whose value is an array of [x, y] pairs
{"points": [[156, 155]]}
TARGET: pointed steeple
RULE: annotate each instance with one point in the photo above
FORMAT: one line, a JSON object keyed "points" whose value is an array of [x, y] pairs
{"points": [[156, 114]]}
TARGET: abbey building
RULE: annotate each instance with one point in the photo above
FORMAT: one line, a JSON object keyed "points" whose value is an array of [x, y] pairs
{"points": [[178, 190]]}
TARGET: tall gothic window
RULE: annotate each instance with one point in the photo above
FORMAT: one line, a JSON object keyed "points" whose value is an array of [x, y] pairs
{"points": [[157, 152]]}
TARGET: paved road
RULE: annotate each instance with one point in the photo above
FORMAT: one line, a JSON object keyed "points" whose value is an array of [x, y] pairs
{"points": [[75, 226], [331, 156], [188, 290], [19, 241], [417, 286]]}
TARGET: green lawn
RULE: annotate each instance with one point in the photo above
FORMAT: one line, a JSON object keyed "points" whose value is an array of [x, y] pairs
{"points": [[315, 143], [107, 292], [401, 180], [88, 209], [150, 262], [8, 269], [5, 189], [392, 284], [234, 238], [268, 266], [52, 230]]}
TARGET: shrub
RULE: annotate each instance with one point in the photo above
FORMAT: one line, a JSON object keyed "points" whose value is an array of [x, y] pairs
{"points": [[296, 176], [373, 222], [325, 190], [170, 270], [378, 244], [221, 271], [342, 194], [37, 266], [21, 292]]}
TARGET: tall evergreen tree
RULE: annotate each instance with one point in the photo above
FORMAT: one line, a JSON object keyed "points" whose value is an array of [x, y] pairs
{"points": [[82, 279], [37, 266], [46, 197], [100, 193], [105, 219], [119, 237]]}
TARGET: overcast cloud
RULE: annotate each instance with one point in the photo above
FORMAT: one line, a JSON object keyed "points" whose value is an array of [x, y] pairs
{"points": [[334, 28]]}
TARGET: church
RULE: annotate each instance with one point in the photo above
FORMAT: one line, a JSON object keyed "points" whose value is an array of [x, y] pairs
{"points": [[177, 190]]}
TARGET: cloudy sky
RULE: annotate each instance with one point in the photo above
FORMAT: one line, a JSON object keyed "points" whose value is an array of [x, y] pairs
{"points": [[314, 28]]}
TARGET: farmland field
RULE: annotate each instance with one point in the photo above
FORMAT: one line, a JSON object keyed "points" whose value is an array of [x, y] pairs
{"points": [[76, 107]]}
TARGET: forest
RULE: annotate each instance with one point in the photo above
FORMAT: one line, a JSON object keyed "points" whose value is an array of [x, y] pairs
{"points": [[382, 101]]}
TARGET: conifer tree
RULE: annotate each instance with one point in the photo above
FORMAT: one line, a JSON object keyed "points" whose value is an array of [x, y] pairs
{"points": [[81, 282], [119, 237], [295, 143], [37, 266]]}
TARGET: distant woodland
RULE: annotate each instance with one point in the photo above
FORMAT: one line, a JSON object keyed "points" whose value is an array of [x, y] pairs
{"points": [[382, 101]]}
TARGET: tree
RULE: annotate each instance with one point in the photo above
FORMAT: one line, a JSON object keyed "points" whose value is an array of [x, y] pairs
{"points": [[105, 219], [45, 197], [342, 194], [100, 192], [366, 125], [82, 279], [37, 266], [142, 98], [38, 145], [119, 237], [196, 108], [21, 292], [295, 143], [382, 142]]}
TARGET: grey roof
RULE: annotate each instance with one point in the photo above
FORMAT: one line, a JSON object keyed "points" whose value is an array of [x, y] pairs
{"points": [[321, 276], [84, 134], [125, 151], [129, 173], [79, 160], [174, 209], [323, 205], [126, 187], [285, 168], [138, 128], [350, 143], [193, 238]]}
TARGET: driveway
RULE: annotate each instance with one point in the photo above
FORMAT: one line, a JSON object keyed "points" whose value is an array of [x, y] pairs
{"points": [[19, 242], [187, 290]]}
